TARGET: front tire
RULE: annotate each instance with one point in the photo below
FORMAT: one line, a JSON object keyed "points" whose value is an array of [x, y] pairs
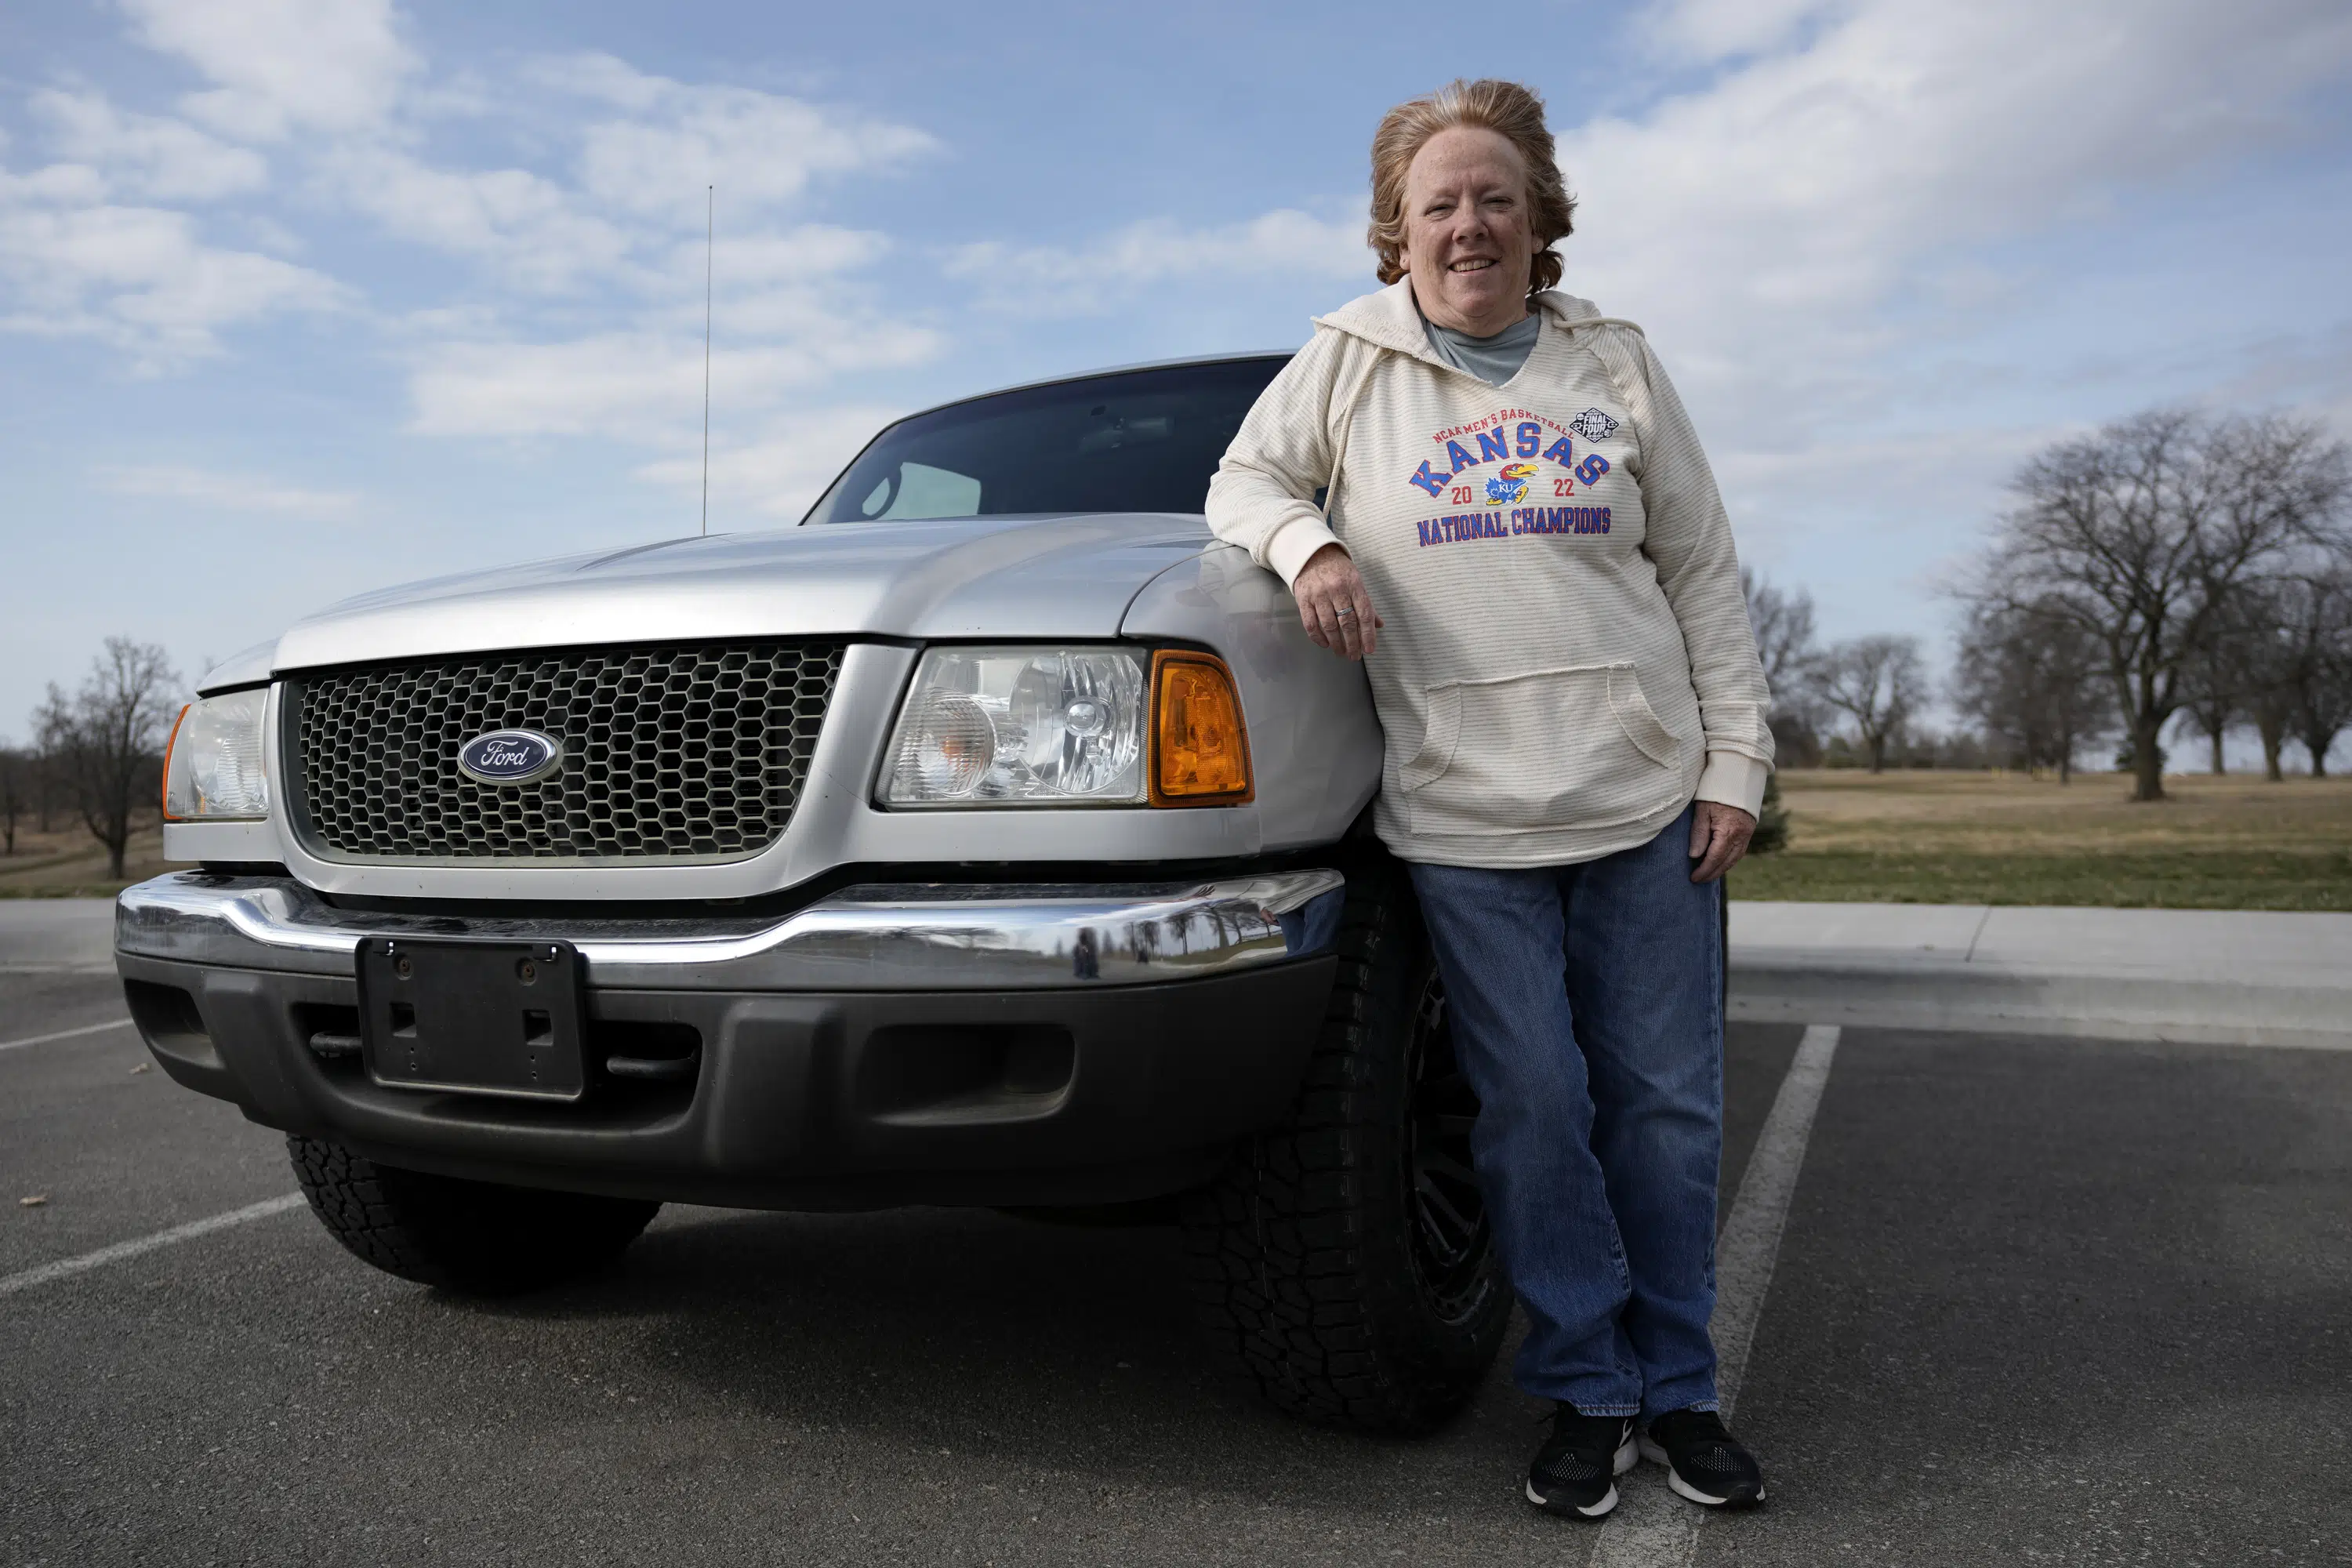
{"points": [[1344, 1259], [477, 1238]]}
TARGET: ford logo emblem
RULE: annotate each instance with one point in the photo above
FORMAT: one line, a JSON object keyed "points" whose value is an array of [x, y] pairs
{"points": [[510, 757]]}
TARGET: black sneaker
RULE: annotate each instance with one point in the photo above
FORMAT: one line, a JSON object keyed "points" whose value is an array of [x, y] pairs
{"points": [[1704, 1462], [1575, 1472]]}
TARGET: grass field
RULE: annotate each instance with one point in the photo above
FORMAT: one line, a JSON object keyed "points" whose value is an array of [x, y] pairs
{"points": [[2232, 843], [66, 862]]}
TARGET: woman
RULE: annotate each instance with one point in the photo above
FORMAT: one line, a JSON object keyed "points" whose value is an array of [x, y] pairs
{"points": [[1577, 748]]}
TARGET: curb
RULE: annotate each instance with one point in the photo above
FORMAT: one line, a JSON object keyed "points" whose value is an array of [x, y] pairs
{"points": [[1915, 993]]}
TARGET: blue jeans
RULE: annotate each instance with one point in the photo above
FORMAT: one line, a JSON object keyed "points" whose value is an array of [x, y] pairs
{"points": [[1599, 1131]]}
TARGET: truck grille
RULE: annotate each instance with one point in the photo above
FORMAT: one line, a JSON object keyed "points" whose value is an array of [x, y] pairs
{"points": [[668, 753]]}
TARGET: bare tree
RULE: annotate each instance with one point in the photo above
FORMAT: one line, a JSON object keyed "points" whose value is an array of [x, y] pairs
{"points": [[44, 778], [1878, 682], [2264, 654], [108, 739], [2030, 679], [16, 793], [2291, 647], [1783, 623], [2318, 628], [2213, 690], [2141, 534]]}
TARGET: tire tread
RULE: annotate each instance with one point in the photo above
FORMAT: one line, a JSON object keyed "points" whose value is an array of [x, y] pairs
{"points": [[1299, 1266], [472, 1237]]}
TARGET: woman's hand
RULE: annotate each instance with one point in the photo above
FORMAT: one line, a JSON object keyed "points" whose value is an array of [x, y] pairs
{"points": [[1333, 605], [1719, 836]]}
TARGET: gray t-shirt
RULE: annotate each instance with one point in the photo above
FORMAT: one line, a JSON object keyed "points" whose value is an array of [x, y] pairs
{"points": [[1492, 359]]}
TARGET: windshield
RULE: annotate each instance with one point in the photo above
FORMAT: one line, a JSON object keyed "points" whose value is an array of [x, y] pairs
{"points": [[1138, 440]]}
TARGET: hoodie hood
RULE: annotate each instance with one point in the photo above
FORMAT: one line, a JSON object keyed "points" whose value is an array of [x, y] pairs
{"points": [[1033, 578]]}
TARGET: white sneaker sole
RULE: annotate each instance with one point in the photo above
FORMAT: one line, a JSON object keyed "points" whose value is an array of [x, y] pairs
{"points": [[1608, 1503], [1626, 1458], [1674, 1482]]}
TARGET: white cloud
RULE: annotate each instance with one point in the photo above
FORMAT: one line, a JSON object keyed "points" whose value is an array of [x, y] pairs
{"points": [[76, 259], [643, 387], [812, 285], [612, 383], [1710, 30], [617, 227], [1783, 201], [602, 77], [1097, 274], [62, 183], [795, 305], [145, 154], [781, 257], [589, 294], [758, 149], [531, 230], [244, 493], [141, 279], [781, 473], [281, 65]]}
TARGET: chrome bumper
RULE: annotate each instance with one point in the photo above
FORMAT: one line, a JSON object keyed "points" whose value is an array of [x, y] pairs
{"points": [[906, 936]]}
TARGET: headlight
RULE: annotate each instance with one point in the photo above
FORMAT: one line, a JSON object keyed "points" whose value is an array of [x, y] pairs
{"points": [[212, 771], [1043, 726]]}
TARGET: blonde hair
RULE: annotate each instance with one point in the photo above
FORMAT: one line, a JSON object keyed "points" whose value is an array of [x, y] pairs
{"points": [[1511, 112]]}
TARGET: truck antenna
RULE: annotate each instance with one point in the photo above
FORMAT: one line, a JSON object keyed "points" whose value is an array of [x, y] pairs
{"points": [[709, 234]]}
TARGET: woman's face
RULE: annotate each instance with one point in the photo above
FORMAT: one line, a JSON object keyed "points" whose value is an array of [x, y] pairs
{"points": [[1467, 247]]}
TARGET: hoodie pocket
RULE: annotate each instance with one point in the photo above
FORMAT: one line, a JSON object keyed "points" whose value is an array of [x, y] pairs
{"points": [[1553, 749]]}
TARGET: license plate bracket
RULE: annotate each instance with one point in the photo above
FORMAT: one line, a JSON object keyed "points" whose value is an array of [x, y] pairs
{"points": [[474, 1018]]}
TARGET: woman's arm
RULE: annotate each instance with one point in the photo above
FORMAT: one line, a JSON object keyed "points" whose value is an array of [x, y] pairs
{"points": [[1689, 538], [1262, 499]]}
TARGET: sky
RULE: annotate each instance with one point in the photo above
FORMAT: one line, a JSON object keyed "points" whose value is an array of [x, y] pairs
{"points": [[301, 298]]}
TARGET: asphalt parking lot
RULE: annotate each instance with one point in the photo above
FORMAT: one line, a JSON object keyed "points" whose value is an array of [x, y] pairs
{"points": [[2035, 1302]]}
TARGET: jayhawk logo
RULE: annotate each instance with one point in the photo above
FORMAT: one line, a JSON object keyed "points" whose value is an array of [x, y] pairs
{"points": [[1510, 485]]}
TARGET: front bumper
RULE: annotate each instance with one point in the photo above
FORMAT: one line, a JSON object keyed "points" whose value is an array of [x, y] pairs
{"points": [[899, 1044]]}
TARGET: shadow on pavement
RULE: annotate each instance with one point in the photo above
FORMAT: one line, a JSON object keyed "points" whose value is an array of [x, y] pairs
{"points": [[969, 1331]]}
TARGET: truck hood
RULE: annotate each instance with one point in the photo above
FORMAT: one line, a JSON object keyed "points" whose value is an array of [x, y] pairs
{"points": [[1033, 578]]}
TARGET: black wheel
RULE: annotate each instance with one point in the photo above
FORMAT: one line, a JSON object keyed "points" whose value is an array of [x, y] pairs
{"points": [[480, 1238], [1344, 1258]]}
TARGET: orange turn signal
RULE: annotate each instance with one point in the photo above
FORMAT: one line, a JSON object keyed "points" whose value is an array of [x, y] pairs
{"points": [[1200, 752], [170, 750]]}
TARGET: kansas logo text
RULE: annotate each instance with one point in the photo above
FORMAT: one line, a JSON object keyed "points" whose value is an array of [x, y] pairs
{"points": [[1504, 443]]}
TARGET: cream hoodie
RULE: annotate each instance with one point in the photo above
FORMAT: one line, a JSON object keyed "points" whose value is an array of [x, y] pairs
{"points": [[1567, 660]]}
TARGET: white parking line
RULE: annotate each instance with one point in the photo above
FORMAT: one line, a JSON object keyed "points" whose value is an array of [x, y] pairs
{"points": [[1751, 1244], [64, 1034], [1652, 1527], [65, 1267]]}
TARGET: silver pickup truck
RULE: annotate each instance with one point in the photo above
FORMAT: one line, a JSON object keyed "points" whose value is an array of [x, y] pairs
{"points": [[995, 837]]}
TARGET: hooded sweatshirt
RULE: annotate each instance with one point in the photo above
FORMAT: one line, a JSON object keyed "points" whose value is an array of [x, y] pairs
{"points": [[1566, 660]]}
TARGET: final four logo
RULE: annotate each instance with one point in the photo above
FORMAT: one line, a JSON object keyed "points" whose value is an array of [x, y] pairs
{"points": [[1593, 425], [1510, 487]]}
